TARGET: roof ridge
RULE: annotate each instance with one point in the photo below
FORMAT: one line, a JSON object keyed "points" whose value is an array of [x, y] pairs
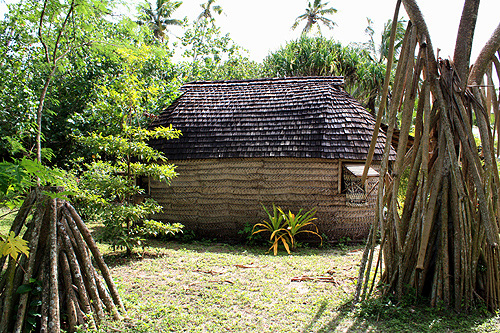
{"points": [[337, 80]]}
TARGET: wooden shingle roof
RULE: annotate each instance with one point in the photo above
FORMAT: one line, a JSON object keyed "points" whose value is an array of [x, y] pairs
{"points": [[287, 117]]}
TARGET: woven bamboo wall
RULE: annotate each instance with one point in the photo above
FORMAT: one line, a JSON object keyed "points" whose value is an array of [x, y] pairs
{"points": [[216, 197]]}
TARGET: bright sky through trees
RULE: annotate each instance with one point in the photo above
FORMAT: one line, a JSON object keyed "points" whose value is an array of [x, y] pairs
{"points": [[261, 26]]}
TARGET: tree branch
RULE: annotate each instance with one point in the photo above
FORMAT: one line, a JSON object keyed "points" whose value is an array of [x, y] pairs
{"points": [[485, 57], [465, 36], [59, 35], [42, 15], [417, 18]]}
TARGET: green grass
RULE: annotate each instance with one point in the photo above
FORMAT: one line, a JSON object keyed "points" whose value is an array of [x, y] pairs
{"points": [[214, 287], [6, 218]]}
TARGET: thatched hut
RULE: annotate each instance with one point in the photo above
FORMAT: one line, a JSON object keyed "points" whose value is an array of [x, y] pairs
{"points": [[295, 142]]}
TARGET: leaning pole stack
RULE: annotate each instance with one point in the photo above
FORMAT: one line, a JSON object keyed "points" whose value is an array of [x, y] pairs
{"points": [[441, 243], [64, 282]]}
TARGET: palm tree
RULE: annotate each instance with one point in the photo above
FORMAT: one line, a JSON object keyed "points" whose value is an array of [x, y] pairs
{"points": [[314, 14], [207, 7], [380, 52], [159, 18]]}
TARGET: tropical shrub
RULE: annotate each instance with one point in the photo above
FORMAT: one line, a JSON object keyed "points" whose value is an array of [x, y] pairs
{"points": [[108, 192], [318, 56], [284, 227], [276, 227], [295, 224]]}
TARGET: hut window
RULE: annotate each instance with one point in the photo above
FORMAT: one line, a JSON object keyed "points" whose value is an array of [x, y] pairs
{"points": [[143, 183], [356, 194]]}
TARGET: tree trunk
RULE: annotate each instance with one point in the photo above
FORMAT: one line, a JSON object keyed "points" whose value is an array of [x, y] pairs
{"points": [[463, 45], [443, 243]]}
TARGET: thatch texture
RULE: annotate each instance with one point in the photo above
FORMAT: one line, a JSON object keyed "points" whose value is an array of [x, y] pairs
{"points": [[265, 141], [218, 197], [310, 117]]}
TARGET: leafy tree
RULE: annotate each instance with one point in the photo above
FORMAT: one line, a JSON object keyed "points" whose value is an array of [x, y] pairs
{"points": [[18, 97], [130, 94], [315, 13], [76, 85], [68, 20], [144, 71], [158, 19], [203, 23], [120, 154], [210, 55], [104, 80], [43, 42], [109, 186]]}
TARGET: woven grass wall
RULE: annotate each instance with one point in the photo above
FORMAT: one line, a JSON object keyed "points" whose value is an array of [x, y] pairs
{"points": [[216, 197]]}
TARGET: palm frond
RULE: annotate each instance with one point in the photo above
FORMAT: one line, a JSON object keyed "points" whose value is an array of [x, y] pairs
{"points": [[307, 28], [328, 11], [315, 13], [327, 22]]}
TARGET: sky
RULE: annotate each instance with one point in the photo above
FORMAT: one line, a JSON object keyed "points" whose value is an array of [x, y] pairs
{"points": [[263, 26]]}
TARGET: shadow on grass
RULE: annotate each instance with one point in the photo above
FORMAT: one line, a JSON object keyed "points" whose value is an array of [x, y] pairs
{"points": [[216, 246], [377, 315], [157, 248], [190, 242]]}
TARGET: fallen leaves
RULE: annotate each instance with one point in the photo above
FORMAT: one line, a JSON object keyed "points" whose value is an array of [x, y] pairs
{"points": [[251, 265], [328, 279]]}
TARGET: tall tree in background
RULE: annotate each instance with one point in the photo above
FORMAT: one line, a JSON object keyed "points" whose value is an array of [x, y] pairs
{"points": [[319, 56], [211, 55], [62, 28], [18, 97], [52, 18], [316, 13], [158, 19], [380, 52], [207, 10], [91, 62], [204, 29], [442, 242]]}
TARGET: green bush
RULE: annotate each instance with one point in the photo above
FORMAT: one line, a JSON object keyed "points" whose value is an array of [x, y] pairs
{"points": [[108, 192]]}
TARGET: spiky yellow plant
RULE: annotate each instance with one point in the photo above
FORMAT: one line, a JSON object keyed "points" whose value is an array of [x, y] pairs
{"points": [[284, 227]]}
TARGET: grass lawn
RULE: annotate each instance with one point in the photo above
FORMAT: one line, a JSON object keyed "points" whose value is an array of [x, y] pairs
{"points": [[214, 287]]}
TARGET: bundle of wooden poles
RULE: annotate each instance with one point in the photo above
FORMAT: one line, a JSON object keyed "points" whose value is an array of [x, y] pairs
{"points": [[57, 286], [441, 243]]}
